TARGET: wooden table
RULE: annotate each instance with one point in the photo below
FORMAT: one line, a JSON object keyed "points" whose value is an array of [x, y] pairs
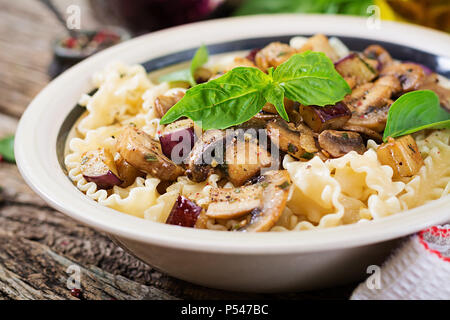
{"points": [[37, 243]]}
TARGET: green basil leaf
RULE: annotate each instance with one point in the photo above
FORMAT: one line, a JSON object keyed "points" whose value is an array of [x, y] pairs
{"points": [[355, 7], [229, 100], [7, 149], [415, 111], [181, 75], [311, 79], [275, 95], [200, 58], [187, 75]]}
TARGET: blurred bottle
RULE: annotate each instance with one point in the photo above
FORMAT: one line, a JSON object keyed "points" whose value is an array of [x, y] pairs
{"points": [[429, 13], [141, 16]]}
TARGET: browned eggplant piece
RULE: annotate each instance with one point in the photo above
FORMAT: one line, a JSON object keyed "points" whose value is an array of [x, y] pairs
{"points": [[98, 166], [244, 160], [127, 172], [320, 43], [163, 103], [180, 135], [380, 54], [273, 55], [229, 203], [276, 185], [184, 213], [339, 143], [353, 66], [144, 153], [365, 132], [328, 117], [208, 152], [431, 82], [410, 75], [286, 137], [402, 155], [264, 200]]}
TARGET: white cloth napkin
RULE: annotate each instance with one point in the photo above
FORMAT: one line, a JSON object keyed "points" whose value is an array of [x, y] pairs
{"points": [[419, 269]]}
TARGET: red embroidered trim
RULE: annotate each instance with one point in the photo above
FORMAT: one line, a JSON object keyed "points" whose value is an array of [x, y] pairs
{"points": [[437, 232]]}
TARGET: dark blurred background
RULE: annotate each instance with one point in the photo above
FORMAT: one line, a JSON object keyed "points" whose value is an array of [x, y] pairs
{"points": [[148, 15]]}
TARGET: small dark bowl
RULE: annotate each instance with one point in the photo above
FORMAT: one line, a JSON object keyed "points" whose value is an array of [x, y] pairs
{"points": [[64, 58]]}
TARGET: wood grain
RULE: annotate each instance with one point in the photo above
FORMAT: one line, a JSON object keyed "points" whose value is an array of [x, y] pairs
{"points": [[37, 243]]}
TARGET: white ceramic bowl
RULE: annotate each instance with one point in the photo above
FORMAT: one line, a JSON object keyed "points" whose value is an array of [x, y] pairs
{"points": [[265, 262]]}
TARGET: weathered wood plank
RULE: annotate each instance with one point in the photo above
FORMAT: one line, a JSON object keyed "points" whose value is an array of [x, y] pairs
{"points": [[20, 279]]}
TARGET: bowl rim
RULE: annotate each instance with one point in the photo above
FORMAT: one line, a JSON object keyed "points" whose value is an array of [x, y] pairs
{"points": [[35, 145]]}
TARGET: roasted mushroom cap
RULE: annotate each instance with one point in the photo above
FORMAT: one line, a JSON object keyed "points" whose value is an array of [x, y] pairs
{"points": [[273, 55], [143, 153], [265, 201], [98, 166], [402, 155], [298, 141], [164, 102], [339, 143], [410, 75]]}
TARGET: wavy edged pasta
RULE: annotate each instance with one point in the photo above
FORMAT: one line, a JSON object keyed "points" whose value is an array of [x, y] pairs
{"points": [[351, 189]]}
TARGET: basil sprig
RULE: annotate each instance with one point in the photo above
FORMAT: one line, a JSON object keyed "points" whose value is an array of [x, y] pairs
{"points": [[309, 78], [415, 111], [7, 149], [187, 75]]}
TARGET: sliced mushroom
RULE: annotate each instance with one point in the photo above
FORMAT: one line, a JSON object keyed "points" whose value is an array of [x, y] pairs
{"points": [[265, 201], [244, 160], [259, 121], [410, 75], [163, 103], [127, 172], [144, 153], [431, 82], [370, 103], [98, 166], [273, 55], [364, 132], [377, 52], [320, 43], [276, 185], [402, 155], [230, 203], [207, 153], [328, 117], [298, 142], [339, 143]]}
